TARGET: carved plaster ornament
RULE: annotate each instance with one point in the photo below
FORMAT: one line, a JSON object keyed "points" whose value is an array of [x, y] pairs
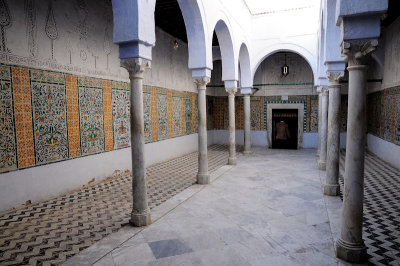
{"points": [[334, 77], [31, 27], [51, 28], [5, 21], [202, 82], [82, 27], [106, 43], [135, 66]]}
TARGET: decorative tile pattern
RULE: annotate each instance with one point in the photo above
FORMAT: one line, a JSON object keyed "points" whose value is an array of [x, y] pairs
{"points": [[256, 111], [73, 116], [239, 113], [162, 115], [188, 116], [219, 107], [194, 113], [388, 118], [121, 118], [108, 116], [91, 120], [170, 127], [183, 116], [23, 117], [154, 119], [313, 114], [49, 110], [8, 151], [308, 119], [80, 219], [147, 112], [176, 117], [397, 121]]}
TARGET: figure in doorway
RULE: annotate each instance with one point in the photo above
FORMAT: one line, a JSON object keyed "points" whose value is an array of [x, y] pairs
{"points": [[282, 131]]}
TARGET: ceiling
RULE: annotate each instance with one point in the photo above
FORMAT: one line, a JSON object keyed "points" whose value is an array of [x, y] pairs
{"points": [[260, 7], [169, 18]]}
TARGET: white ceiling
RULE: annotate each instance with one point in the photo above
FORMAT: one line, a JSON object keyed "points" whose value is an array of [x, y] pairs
{"points": [[259, 7]]}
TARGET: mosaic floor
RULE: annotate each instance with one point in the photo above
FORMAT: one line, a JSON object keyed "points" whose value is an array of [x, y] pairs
{"points": [[53, 231], [381, 210]]}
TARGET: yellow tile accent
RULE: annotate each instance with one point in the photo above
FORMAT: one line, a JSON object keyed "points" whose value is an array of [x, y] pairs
{"points": [[170, 128], [183, 116], [194, 99], [154, 120], [23, 117], [73, 116], [108, 126]]}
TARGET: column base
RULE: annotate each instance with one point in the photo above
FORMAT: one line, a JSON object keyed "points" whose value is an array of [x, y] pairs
{"points": [[140, 219], [232, 160], [351, 252], [247, 152], [203, 178], [322, 165], [331, 190]]}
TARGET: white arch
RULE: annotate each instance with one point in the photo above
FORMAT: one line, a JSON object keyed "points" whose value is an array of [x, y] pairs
{"points": [[288, 47], [196, 35], [228, 56], [246, 78]]}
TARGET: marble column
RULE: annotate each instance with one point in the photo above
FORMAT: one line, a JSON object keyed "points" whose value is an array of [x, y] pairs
{"points": [[247, 128], [319, 120], [331, 186], [350, 245], [140, 215], [203, 176], [324, 129], [232, 160]]}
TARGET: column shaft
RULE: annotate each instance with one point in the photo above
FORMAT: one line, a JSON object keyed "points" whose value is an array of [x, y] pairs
{"points": [[350, 246], [324, 129], [203, 176], [140, 215], [232, 160], [319, 122], [331, 186], [247, 128]]}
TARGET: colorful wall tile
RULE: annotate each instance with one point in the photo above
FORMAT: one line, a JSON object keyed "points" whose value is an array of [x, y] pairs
{"points": [[49, 113], [256, 113], [91, 116], [108, 116], [188, 116], [176, 116], [121, 118], [8, 149], [154, 119], [162, 114], [147, 113], [23, 117], [73, 116], [383, 114]]}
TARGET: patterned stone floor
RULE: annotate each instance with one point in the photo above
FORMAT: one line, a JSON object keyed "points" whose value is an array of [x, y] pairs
{"points": [[381, 210], [50, 232]]}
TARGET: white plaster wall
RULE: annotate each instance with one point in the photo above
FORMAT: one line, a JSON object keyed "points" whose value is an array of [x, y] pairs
{"points": [[387, 151], [310, 140]]}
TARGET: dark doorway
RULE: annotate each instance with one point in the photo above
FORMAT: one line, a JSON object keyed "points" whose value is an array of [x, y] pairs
{"points": [[284, 128]]}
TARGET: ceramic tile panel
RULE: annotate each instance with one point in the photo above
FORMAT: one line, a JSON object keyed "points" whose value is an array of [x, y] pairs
{"points": [[121, 118], [183, 123], [397, 121], [154, 118], [170, 126], [239, 113], [73, 116], [49, 113], [8, 148], [194, 113], [147, 113], [91, 119], [308, 118], [188, 116], [108, 117], [313, 114], [388, 118], [176, 117], [162, 115], [256, 110], [23, 117]]}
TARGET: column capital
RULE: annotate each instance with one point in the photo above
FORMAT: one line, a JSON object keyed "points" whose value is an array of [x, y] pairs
{"points": [[201, 82], [358, 52], [135, 66], [231, 91], [334, 77], [323, 90]]}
